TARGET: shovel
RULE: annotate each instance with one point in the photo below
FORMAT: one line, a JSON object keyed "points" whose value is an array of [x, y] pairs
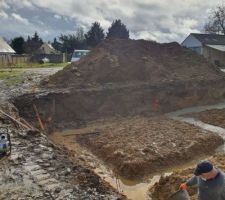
{"points": [[180, 195]]}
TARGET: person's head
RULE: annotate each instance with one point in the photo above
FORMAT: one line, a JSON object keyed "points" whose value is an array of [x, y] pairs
{"points": [[205, 170]]}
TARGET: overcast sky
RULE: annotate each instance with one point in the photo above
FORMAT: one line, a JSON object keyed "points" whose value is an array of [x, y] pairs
{"points": [[160, 20]]}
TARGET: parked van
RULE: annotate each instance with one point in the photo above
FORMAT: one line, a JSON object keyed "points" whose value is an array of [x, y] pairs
{"points": [[77, 54]]}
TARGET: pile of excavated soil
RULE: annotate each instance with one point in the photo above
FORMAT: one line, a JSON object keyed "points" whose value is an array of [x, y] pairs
{"points": [[124, 61], [215, 117], [168, 185], [137, 147], [125, 78]]}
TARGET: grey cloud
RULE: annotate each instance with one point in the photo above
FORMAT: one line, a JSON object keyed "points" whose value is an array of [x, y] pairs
{"points": [[149, 19]]}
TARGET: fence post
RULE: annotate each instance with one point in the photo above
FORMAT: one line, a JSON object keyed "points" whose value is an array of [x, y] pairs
{"points": [[64, 58]]}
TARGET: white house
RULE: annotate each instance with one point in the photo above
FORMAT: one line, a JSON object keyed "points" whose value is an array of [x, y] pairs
{"points": [[211, 46]]}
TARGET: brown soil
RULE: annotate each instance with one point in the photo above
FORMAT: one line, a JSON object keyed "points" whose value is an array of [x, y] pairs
{"points": [[123, 61], [125, 78], [137, 147], [168, 185], [74, 107], [215, 117]]}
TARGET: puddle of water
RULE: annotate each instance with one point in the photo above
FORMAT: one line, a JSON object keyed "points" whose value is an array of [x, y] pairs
{"points": [[133, 189]]}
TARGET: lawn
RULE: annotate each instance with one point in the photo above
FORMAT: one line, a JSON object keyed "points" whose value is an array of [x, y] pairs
{"points": [[11, 77]]}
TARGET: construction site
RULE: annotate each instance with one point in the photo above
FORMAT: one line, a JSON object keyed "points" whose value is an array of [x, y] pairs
{"points": [[128, 121]]}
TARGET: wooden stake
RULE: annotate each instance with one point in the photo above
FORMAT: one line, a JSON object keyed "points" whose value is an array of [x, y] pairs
{"points": [[27, 123], [38, 117], [15, 120]]}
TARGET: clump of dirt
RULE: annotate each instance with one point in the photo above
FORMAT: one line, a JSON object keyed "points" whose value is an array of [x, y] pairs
{"points": [[137, 147], [168, 185], [125, 61], [215, 117]]}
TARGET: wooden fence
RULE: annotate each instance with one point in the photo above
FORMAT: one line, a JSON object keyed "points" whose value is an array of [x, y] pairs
{"points": [[10, 60]]}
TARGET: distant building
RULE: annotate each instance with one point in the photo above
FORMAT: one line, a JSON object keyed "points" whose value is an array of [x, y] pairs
{"points": [[46, 53], [47, 49], [6, 53], [5, 49], [211, 46]]}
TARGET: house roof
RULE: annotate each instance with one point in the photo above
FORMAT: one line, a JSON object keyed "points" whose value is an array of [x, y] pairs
{"points": [[49, 45], [47, 48], [4, 47], [217, 47], [211, 39]]}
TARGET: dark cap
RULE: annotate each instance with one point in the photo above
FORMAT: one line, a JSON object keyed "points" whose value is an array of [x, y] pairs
{"points": [[203, 167]]}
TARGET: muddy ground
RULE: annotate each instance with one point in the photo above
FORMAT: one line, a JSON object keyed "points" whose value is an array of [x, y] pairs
{"points": [[36, 168], [137, 147], [113, 98], [133, 147]]}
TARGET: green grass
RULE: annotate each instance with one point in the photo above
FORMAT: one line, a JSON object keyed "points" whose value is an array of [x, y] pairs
{"points": [[37, 65], [11, 77], [8, 74], [14, 76]]}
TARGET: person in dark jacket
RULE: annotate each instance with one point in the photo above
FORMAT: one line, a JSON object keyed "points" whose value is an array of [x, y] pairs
{"points": [[209, 180]]}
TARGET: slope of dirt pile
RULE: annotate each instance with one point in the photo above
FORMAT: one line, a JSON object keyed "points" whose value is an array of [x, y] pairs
{"points": [[168, 185], [136, 147], [215, 117], [125, 78], [120, 61]]}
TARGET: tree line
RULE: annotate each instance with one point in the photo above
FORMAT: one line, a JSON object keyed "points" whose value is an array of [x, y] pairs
{"points": [[80, 40], [67, 43]]}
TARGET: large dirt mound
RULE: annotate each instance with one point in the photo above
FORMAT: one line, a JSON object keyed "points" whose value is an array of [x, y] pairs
{"points": [[126, 61]]}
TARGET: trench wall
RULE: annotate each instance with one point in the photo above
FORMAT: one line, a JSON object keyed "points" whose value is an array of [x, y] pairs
{"points": [[78, 106]]}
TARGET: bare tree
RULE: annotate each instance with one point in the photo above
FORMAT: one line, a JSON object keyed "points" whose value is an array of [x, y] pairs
{"points": [[216, 21]]}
